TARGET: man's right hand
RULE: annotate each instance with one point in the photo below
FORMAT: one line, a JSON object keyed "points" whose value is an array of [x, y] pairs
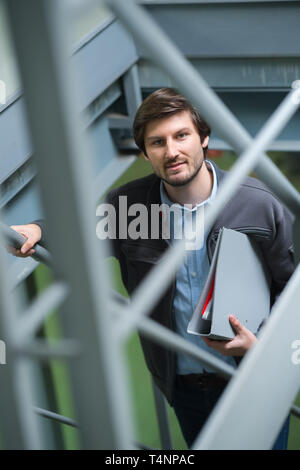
{"points": [[33, 233]]}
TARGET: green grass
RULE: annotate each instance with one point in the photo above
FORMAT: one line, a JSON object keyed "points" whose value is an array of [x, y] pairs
{"points": [[140, 381]]}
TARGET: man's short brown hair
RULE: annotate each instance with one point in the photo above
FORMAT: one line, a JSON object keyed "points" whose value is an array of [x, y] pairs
{"points": [[161, 104]]}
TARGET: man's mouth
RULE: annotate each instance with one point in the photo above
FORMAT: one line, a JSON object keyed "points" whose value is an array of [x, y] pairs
{"points": [[175, 166]]}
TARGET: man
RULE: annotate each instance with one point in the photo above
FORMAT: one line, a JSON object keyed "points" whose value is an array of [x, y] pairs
{"points": [[174, 140]]}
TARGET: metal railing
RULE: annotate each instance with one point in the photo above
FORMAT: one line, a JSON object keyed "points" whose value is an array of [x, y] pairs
{"points": [[39, 32], [247, 383]]}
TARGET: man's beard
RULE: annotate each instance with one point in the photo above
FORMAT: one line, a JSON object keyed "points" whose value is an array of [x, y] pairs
{"points": [[185, 181]]}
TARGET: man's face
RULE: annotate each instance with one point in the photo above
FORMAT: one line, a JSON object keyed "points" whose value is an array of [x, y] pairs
{"points": [[174, 148]]}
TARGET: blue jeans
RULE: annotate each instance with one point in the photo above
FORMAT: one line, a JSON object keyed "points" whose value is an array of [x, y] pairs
{"points": [[192, 407]]}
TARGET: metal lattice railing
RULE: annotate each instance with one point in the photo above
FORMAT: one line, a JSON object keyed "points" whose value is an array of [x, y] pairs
{"points": [[248, 382], [94, 341]]}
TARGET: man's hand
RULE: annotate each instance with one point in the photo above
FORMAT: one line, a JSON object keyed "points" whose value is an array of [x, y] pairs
{"points": [[33, 234], [239, 345]]}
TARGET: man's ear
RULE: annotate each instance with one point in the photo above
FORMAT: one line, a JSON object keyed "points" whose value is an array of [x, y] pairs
{"points": [[145, 156], [205, 142]]}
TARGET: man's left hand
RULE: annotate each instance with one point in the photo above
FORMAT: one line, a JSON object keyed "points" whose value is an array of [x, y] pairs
{"points": [[239, 345]]}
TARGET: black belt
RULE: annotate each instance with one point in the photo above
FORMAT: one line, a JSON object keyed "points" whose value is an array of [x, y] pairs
{"points": [[203, 381]]}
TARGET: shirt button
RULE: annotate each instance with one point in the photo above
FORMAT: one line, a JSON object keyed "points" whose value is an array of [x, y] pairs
{"points": [[194, 274]]}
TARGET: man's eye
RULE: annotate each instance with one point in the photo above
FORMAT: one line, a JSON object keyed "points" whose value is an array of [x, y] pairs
{"points": [[182, 135], [157, 142]]}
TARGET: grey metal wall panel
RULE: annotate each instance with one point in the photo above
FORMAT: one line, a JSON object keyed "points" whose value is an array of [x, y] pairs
{"points": [[249, 29], [101, 61], [15, 145], [267, 74]]}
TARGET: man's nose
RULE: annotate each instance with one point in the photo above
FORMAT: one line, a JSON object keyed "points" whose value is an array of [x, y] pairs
{"points": [[171, 149]]}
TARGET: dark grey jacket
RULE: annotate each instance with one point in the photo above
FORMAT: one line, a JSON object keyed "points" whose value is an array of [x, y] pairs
{"points": [[253, 210]]}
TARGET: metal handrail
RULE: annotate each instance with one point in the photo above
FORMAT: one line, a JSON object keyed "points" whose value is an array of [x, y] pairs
{"points": [[17, 240]]}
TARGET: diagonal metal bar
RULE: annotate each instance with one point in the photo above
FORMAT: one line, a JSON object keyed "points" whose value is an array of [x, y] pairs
{"points": [[160, 338], [149, 291], [171, 340], [71, 422], [32, 319], [55, 416], [169, 58]]}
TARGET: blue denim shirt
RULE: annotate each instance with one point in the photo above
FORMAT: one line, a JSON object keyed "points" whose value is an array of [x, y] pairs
{"points": [[190, 279]]}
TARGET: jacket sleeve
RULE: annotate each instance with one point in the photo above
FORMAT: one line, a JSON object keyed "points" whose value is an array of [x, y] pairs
{"points": [[280, 251]]}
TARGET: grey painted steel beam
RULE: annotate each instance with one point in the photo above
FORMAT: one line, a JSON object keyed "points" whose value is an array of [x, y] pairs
{"points": [[15, 145], [14, 184], [174, 342], [20, 269], [230, 29], [111, 173], [166, 337], [102, 408], [258, 374], [101, 104], [19, 193]]}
